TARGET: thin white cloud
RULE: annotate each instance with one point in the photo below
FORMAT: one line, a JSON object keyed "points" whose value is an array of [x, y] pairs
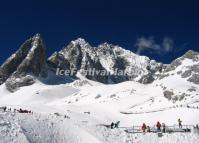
{"points": [[149, 43], [167, 44]]}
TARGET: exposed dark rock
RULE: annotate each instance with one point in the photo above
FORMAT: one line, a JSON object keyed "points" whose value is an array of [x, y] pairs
{"points": [[192, 55], [81, 56], [12, 63], [194, 78], [35, 61], [181, 97], [179, 72], [195, 68], [28, 62], [14, 83], [189, 72], [98, 96], [168, 94], [57, 60], [173, 65], [163, 76], [175, 98], [192, 89], [147, 79], [88, 63], [186, 74]]}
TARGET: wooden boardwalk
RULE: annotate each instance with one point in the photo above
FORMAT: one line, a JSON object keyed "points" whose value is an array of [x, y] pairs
{"points": [[168, 129]]}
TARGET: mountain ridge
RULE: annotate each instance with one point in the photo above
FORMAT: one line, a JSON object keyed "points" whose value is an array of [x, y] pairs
{"points": [[30, 62]]}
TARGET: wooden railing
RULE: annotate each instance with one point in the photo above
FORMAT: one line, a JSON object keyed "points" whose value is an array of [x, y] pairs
{"points": [[153, 129]]}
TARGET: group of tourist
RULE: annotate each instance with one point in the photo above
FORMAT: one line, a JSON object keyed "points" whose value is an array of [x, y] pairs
{"points": [[4, 108]]}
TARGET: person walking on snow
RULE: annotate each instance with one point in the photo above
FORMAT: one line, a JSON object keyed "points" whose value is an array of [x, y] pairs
{"points": [[117, 124], [197, 127], [4, 109], [148, 129], [112, 125], [179, 123], [163, 127]]}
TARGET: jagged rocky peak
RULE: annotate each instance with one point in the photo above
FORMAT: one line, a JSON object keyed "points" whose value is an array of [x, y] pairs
{"points": [[79, 41], [11, 64], [190, 55], [186, 66], [35, 60], [115, 57], [194, 55], [27, 62], [77, 46], [105, 48], [81, 55], [58, 60]]}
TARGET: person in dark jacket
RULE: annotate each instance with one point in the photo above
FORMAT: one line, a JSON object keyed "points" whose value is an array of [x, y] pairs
{"points": [[117, 124], [163, 127], [197, 127], [179, 123], [4, 109], [148, 129], [112, 125]]}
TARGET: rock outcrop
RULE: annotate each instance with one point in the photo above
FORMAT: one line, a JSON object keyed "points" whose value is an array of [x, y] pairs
{"points": [[25, 65]]}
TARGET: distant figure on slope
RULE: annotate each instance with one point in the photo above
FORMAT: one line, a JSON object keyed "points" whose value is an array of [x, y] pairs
{"points": [[148, 129], [117, 124], [158, 125], [143, 127], [163, 127], [112, 125], [179, 123], [4, 109], [197, 127]]}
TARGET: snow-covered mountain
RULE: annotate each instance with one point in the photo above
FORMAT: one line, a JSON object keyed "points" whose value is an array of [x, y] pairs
{"points": [[74, 111], [29, 62], [80, 55]]}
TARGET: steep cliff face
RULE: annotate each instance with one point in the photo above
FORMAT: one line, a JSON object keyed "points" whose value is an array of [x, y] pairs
{"points": [[11, 64], [27, 63], [81, 56], [78, 56]]}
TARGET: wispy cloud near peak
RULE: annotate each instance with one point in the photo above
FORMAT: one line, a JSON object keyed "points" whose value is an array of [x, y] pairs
{"points": [[149, 43]]}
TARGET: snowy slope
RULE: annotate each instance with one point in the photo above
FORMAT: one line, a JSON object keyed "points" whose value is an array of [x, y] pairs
{"points": [[29, 128], [130, 102]]}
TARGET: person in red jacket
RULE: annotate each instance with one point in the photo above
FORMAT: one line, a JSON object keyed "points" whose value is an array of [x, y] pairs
{"points": [[144, 127], [158, 125]]}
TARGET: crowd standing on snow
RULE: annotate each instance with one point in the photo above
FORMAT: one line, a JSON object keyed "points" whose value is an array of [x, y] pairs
{"points": [[4, 108]]}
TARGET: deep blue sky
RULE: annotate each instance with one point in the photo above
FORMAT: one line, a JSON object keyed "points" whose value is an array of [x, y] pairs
{"points": [[118, 22]]}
